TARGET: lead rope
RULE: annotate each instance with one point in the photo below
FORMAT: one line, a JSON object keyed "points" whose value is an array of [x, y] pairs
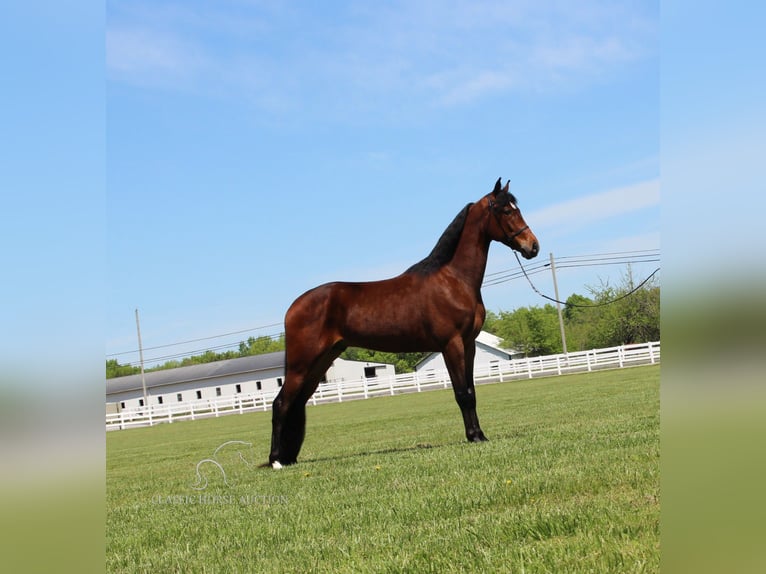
{"points": [[536, 290]]}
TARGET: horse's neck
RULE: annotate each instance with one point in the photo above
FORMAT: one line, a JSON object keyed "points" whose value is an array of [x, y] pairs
{"points": [[470, 259]]}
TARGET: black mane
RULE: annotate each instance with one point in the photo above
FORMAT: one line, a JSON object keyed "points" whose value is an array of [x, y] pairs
{"points": [[442, 253]]}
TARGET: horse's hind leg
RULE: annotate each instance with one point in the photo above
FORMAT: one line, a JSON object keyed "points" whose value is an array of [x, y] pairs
{"points": [[288, 420], [288, 416]]}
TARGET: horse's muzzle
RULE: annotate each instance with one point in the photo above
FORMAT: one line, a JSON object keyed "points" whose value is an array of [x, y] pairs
{"points": [[531, 252]]}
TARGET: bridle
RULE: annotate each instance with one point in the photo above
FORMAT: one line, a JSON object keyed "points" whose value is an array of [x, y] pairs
{"points": [[495, 209]]}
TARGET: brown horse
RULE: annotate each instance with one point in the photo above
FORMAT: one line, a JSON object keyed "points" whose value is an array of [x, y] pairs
{"points": [[435, 305]]}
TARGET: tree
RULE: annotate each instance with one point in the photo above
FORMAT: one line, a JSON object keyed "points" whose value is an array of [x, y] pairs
{"points": [[576, 308], [115, 369], [578, 322], [261, 345], [531, 330], [634, 318], [491, 322], [601, 320]]}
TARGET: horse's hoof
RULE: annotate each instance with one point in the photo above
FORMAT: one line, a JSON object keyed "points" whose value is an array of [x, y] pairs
{"points": [[276, 465]]}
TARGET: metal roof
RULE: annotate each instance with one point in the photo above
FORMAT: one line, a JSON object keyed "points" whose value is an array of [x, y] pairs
{"points": [[485, 339], [199, 372]]}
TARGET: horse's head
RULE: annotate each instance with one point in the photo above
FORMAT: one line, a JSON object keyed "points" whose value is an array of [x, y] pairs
{"points": [[507, 225]]}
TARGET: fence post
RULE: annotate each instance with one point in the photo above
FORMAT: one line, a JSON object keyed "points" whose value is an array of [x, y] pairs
{"points": [[651, 352], [529, 367], [620, 352]]}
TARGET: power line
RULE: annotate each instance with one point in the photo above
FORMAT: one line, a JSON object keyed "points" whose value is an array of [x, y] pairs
{"points": [[195, 340], [573, 261], [608, 263], [540, 266], [617, 253], [190, 353], [620, 255], [601, 304], [491, 279]]}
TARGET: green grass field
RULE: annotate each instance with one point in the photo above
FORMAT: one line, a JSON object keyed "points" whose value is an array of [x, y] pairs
{"points": [[569, 482]]}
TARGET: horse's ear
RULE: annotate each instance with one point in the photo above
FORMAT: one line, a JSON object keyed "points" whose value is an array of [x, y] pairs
{"points": [[507, 186], [497, 189]]}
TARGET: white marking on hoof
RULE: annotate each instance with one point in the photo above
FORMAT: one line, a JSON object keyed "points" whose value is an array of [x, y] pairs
{"points": [[276, 465]]}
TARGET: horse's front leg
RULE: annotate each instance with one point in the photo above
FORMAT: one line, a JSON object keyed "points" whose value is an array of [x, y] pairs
{"points": [[459, 356]]}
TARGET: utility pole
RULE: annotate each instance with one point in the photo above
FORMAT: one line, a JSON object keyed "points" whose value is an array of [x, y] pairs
{"points": [[141, 356], [558, 305]]}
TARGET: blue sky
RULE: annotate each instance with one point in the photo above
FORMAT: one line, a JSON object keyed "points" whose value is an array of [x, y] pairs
{"points": [[255, 150], [52, 173], [165, 179]]}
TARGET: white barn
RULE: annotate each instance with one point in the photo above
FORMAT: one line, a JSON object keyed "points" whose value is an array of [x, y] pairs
{"points": [[245, 375], [488, 353]]}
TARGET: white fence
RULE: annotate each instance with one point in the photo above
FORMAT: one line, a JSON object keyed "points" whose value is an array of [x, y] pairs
{"points": [[527, 368]]}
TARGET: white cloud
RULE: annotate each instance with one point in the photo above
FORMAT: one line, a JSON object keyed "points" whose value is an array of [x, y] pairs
{"points": [[415, 52], [588, 209], [577, 52], [141, 55], [458, 88]]}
